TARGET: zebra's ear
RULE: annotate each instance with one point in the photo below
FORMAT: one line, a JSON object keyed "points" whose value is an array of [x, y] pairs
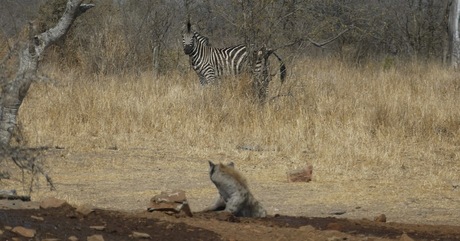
{"points": [[189, 26]]}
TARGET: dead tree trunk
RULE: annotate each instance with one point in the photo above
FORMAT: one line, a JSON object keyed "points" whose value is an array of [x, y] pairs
{"points": [[255, 54], [156, 60], [454, 35], [14, 92]]}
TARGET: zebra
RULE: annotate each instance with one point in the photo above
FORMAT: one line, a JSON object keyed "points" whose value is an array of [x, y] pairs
{"points": [[210, 63]]}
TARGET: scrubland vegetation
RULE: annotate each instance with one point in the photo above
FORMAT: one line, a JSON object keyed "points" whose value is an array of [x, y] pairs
{"points": [[359, 122], [376, 104]]}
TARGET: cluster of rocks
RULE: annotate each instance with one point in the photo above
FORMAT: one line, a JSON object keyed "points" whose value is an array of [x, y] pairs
{"points": [[51, 202], [170, 202]]}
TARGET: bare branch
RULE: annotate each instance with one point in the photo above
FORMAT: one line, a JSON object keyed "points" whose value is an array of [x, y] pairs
{"points": [[319, 45]]}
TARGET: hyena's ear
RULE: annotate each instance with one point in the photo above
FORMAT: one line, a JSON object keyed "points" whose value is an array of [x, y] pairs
{"points": [[231, 164], [211, 167]]}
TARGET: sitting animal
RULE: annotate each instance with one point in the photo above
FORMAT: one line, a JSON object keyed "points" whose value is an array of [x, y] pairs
{"points": [[234, 194]]}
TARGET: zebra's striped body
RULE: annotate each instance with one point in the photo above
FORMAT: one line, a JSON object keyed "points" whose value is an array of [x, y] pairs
{"points": [[210, 63]]}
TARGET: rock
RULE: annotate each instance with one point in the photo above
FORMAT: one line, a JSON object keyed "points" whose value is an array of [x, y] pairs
{"points": [[334, 226], [141, 235], [405, 237], [301, 175], [85, 209], [37, 218], [25, 232], [73, 238], [8, 193], [96, 237], [334, 238], [381, 218], [18, 204], [170, 202], [307, 228], [227, 216], [338, 212], [51, 202], [98, 228], [177, 196]]}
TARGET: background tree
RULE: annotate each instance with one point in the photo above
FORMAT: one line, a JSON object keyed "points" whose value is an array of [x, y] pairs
{"points": [[124, 37], [454, 35], [14, 91]]}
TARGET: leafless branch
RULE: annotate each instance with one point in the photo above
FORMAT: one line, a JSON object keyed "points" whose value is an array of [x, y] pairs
{"points": [[317, 44]]}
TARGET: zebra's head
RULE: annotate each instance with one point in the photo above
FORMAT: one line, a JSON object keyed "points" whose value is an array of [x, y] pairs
{"points": [[188, 38]]}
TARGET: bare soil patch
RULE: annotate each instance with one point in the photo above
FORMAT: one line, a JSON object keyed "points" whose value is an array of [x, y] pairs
{"points": [[64, 222]]}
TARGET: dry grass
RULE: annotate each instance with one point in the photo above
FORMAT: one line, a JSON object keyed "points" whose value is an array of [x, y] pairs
{"points": [[350, 123], [383, 140]]}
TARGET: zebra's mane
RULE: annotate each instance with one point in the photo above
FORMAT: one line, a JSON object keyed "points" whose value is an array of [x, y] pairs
{"points": [[202, 39]]}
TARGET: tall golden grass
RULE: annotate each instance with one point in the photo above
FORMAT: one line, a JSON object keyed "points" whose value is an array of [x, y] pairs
{"points": [[350, 122]]}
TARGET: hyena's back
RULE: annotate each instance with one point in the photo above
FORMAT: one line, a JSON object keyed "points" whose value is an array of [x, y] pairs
{"points": [[235, 196]]}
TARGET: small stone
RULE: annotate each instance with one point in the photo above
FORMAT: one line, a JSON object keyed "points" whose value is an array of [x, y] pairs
{"points": [[302, 175], [51, 202], [334, 238], [307, 228], [405, 237], [18, 204], [25, 232], [334, 226], [338, 212], [37, 218], [8, 193], [98, 228], [141, 235], [177, 196], [85, 209], [381, 218], [50, 239], [73, 238], [227, 216], [96, 237]]}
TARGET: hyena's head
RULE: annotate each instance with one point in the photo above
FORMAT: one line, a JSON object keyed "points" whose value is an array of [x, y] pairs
{"points": [[225, 173], [216, 168]]}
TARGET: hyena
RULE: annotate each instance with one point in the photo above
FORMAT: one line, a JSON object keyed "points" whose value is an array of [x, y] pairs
{"points": [[234, 194]]}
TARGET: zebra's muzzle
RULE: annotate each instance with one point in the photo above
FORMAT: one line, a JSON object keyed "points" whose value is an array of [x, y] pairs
{"points": [[188, 48]]}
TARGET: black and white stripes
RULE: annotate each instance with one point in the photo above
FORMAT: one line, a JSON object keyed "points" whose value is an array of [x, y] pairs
{"points": [[209, 62]]}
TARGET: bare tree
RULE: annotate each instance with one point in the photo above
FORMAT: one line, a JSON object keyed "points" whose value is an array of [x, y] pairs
{"points": [[454, 38], [30, 54]]}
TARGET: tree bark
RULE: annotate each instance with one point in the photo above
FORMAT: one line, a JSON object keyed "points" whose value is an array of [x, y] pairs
{"points": [[156, 60], [31, 53], [454, 38]]}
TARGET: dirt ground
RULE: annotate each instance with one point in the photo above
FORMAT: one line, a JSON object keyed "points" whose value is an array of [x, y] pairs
{"points": [[64, 222], [120, 182]]}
